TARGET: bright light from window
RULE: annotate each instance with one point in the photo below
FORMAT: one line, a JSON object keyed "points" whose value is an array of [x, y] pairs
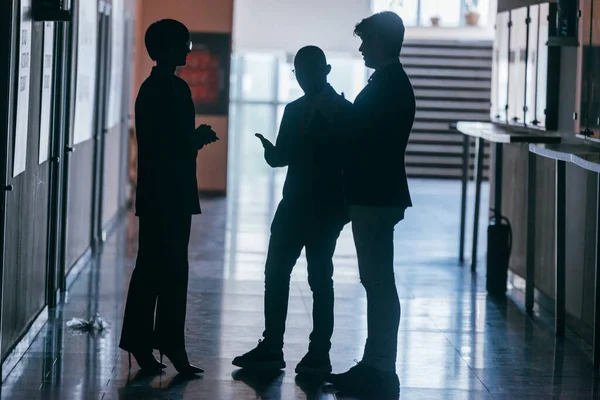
{"points": [[451, 13], [407, 9], [447, 10]]}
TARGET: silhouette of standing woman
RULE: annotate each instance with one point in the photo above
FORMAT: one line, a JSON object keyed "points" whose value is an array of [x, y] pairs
{"points": [[166, 199]]}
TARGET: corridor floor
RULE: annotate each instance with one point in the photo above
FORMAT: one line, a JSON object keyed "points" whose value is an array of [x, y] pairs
{"points": [[454, 342]]}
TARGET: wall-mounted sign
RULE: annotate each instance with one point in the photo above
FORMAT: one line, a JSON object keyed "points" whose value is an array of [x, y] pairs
{"points": [[24, 69], [207, 72], [114, 108], [85, 90], [46, 108]]}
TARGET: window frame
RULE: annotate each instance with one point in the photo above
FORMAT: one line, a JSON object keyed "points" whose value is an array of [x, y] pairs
{"points": [[462, 21]]}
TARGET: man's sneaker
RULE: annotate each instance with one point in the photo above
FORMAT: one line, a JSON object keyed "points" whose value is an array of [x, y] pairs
{"points": [[314, 363], [263, 357], [364, 381]]}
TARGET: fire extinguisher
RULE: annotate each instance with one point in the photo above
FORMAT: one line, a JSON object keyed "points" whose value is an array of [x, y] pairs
{"points": [[498, 253]]}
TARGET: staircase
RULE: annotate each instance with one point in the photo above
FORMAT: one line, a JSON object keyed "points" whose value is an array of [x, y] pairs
{"points": [[452, 82]]}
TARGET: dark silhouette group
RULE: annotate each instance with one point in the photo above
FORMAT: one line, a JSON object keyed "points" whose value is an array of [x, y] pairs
{"points": [[345, 164]]}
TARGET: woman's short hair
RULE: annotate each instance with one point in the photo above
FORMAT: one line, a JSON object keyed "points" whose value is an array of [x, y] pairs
{"points": [[161, 35], [387, 26]]}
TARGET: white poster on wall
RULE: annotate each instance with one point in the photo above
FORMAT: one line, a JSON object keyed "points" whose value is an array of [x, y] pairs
{"points": [[85, 90], [46, 107], [24, 67], [116, 65]]}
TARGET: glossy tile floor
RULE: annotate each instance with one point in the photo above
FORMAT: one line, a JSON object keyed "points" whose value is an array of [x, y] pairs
{"points": [[454, 342]]}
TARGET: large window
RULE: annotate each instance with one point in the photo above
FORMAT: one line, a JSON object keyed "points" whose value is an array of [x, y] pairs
{"points": [[445, 13], [269, 78]]}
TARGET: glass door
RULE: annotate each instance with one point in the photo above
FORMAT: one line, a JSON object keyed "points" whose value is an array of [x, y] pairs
{"points": [[500, 67], [6, 22], [102, 83], [542, 64], [594, 71], [517, 60], [532, 66]]}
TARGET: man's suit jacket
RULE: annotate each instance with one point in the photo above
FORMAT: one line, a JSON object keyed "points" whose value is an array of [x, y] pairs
{"points": [[380, 123], [309, 146], [165, 121]]}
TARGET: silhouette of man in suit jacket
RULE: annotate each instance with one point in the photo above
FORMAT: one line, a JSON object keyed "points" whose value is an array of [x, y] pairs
{"points": [[311, 215], [379, 125], [166, 199]]}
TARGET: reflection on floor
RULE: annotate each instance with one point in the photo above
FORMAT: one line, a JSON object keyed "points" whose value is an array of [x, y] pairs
{"points": [[455, 343]]}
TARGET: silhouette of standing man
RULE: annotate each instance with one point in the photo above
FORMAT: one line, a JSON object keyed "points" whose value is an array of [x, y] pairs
{"points": [[166, 199], [377, 193], [311, 215]]}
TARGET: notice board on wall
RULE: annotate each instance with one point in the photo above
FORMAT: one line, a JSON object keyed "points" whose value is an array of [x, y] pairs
{"points": [[85, 89], [46, 107], [24, 71], [117, 33], [207, 72]]}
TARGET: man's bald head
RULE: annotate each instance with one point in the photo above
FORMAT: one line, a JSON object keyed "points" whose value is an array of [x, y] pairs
{"points": [[311, 69], [311, 55]]}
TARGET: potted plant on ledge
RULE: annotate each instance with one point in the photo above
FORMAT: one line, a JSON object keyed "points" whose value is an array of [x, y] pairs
{"points": [[435, 20], [472, 15]]}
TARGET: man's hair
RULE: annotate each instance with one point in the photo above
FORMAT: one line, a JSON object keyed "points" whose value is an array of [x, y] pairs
{"points": [[161, 35], [311, 55], [387, 26]]}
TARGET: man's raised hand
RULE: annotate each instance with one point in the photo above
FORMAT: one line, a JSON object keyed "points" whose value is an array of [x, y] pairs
{"points": [[265, 142]]}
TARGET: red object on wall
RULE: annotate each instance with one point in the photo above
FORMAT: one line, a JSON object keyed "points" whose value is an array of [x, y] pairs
{"points": [[202, 74], [207, 72]]}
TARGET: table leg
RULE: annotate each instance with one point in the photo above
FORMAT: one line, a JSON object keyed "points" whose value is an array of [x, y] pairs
{"points": [[478, 177], [498, 178], [560, 233], [596, 339], [530, 230], [463, 200]]}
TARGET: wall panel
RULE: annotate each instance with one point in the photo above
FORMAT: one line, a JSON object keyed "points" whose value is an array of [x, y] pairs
{"points": [[580, 228], [112, 173], [26, 223], [79, 208]]}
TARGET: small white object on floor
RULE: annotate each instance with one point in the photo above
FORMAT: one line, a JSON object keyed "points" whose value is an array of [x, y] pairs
{"points": [[94, 325]]}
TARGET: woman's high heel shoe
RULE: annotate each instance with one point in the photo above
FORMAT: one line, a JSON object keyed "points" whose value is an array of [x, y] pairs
{"points": [[146, 361], [181, 363]]}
